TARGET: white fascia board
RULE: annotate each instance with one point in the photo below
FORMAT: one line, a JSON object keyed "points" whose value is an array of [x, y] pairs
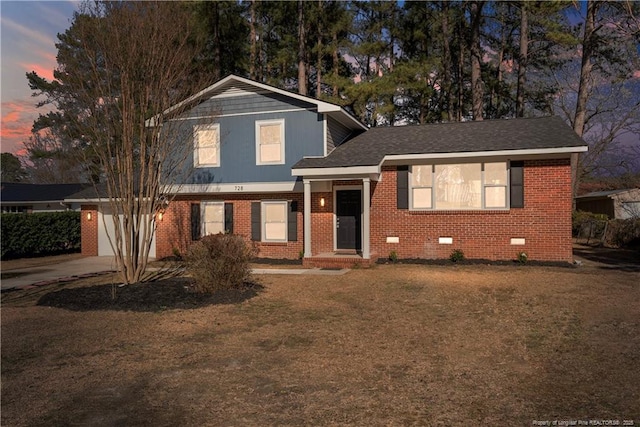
{"points": [[501, 153], [340, 171], [240, 187]]}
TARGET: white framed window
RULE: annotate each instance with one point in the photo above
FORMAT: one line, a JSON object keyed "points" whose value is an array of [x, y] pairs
{"points": [[460, 186], [206, 145], [270, 142], [495, 185], [212, 218], [274, 221], [422, 187]]}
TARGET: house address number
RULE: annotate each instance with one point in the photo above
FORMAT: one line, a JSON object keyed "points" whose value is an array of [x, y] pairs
{"points": [[239, 188]]}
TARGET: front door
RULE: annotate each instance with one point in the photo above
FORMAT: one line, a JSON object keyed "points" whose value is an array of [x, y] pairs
{"points": [[348, 216]]}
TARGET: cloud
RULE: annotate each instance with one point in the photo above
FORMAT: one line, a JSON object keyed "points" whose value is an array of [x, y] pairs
{"points": [[27, 32], [43, 71], [15, 127]]}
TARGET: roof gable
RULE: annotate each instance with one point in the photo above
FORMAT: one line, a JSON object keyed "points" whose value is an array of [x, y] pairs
{"points": [[233, 86]]}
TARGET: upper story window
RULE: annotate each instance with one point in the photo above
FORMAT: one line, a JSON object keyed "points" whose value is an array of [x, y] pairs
{"points": [[270, 142], [206, 140], [459, 186]]}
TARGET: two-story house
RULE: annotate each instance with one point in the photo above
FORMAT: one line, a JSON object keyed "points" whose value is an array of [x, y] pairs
{"points": [[304, 178]]}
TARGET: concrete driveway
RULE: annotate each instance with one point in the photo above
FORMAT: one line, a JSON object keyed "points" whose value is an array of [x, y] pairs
{"points": [[49, 273]]}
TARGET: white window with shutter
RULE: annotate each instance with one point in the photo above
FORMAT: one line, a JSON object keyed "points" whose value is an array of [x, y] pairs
{"points": [[212, 218], [206, 141], [459, 186], [270, 142], [274, 221]]}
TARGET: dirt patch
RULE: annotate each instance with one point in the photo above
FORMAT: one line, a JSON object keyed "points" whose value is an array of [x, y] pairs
{"points": [[390, 345]]}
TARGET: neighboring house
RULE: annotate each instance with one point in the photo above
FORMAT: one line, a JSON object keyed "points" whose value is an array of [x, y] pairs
{"points": [[303, 178], [616, 204], [28, 198]]}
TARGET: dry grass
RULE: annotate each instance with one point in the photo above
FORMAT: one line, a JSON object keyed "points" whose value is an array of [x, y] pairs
{"points": [[394, 345]]}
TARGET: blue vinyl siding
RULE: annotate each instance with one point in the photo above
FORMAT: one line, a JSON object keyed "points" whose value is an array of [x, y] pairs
{"points": [[336, 134], [303, 137]]}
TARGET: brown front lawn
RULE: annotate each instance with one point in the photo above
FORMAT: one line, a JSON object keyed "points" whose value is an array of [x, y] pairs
{"points": [[392, 345]]}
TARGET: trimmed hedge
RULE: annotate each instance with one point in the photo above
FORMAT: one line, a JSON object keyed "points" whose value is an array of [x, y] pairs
{"points": [[41, 233]]}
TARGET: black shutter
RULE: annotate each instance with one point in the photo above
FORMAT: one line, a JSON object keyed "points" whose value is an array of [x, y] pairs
{"points": [[292, 222], [256, 223], [228, 218], [517, 184], [195, 221], [403, 187]]}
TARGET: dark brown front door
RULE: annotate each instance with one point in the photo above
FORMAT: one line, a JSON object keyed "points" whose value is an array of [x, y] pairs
{"points": [[348, 214]]}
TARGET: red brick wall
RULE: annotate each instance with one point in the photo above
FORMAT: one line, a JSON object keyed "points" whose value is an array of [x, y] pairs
{"points": [[89, 230], [174, 230], [321, 223], [545, 221]]}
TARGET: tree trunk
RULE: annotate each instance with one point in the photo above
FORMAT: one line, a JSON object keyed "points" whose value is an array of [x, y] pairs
{"points": [[336, 63], [217, 55], [319, 56], [252, 36], [588, 42], [460, 83], [579, 121], [446, 60], [522, 59], [477, 90], [302, 66]]}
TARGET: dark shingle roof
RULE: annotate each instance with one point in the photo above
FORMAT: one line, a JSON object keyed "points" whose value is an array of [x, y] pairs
{"points": [[370, 147], [605, 194], [19, 192], [91, 192]]}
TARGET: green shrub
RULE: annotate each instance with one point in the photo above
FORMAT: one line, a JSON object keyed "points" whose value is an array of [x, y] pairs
{"points": [[40, 233], [219, 261], [456, 255], [393, 256]]}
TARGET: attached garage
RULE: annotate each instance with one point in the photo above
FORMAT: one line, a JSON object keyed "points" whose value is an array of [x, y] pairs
{"points": [[106, 225]]}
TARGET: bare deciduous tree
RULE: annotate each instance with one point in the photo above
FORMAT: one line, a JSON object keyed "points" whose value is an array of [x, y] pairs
{"points": [[139, 56]]}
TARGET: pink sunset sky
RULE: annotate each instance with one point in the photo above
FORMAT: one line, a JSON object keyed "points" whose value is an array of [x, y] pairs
{"points": [[28, 32]]}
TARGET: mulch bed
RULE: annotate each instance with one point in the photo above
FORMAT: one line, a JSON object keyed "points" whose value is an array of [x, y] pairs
{"points": [[173, 293]]}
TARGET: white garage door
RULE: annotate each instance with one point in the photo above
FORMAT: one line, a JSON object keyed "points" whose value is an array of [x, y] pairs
{"points": [[106, 226]]}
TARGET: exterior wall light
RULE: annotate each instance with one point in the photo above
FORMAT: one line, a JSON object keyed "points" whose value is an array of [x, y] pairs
{"points": [[89, 216], [322, 201]]}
